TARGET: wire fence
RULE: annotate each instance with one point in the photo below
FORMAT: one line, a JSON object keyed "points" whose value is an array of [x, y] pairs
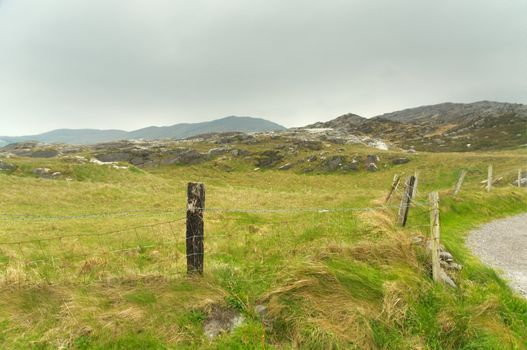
{"points": [[158, 248]]}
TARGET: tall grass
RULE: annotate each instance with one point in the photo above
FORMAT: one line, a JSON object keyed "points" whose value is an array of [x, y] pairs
{"points": [[330, 280]]}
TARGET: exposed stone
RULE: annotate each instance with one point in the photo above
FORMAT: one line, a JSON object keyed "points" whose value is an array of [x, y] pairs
{"points": [[354, 165], [371, 162], [333, 163], [184, 156], [444, 255], [221, 320], [311, 158], [98, 162], [268, 158], [446, 278], [403, 160], [372, 158], [309, 144], [75, 159], [114, 157], [4, 166], [285, 166], [523, 182], [44, 153], [214, 152], [41, 171], [372, 167]]}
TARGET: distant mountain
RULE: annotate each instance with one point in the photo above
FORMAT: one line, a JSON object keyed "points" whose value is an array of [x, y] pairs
{"points": [[481, 125], [178, 131]]}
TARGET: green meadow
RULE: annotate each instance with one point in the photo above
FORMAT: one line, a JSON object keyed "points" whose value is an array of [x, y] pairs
{"points": [[96, 259]]}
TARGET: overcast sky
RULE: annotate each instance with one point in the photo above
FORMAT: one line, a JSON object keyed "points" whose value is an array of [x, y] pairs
{"points": [[132, 63]]}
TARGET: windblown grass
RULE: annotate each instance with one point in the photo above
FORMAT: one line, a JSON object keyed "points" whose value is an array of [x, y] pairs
{"points": [[330, 280]]}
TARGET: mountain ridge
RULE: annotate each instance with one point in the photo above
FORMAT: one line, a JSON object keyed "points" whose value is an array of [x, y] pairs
{"points": [[176, 131]]}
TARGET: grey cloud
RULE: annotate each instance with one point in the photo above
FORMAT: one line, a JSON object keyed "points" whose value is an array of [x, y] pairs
{"points": [[131, 63]]}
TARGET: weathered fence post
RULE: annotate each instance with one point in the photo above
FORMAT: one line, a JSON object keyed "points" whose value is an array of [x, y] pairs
{"points": [[520, 177], [406, 201], [434, 233], [194, 237], [460, 182], [395, 184], [414, 187], [489, 178]]}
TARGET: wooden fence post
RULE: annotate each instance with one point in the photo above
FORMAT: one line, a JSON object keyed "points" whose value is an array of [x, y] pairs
{"points": [[194, 237], [520, 177], [460, 182], [406, 201], [434, 233], [414, 187], [489, 178], [395, 184]]}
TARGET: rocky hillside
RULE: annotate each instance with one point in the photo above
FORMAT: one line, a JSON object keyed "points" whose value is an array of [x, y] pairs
{"points": [[443, 127], [444, 113], [178, 131]]}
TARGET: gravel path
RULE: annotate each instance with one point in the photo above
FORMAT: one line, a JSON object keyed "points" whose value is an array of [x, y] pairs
{"points": [[502, 244]]}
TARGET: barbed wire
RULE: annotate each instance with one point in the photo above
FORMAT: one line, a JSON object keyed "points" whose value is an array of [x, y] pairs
{"points": [[37, 217], [87, 234]]}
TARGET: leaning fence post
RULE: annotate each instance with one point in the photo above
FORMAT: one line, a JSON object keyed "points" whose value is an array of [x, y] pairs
{"points": [[406, 201], [434, 233], [460, 182], [194, 237], [395, 184], [489, 178]]}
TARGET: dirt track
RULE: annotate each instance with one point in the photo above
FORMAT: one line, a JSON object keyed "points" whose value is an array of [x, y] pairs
{"points": [[502, 244]]}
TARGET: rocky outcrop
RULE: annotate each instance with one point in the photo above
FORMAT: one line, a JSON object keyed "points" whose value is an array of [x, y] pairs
{"points": [[268, 158]]}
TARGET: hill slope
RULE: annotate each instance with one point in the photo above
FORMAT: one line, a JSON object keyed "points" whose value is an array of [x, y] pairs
{"points": [[177, 131], [444, 127]]}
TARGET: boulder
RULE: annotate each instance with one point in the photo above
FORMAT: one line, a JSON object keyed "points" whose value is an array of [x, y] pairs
{"points": [[41, 171], [354, 165], [372, 167], [371, 162], [523, 182], [46, 173], [8, 167], [402, 160], [221, 320], [446, 256], [268, 158], [333, 163], [372, 158]]}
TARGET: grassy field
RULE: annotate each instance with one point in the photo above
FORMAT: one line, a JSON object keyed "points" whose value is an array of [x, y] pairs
{"points": [[112, 276]]}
